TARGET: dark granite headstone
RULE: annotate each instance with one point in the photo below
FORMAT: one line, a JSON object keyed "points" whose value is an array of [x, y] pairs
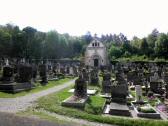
{"points": [[106, 83], [119, 91], [94, 79], [24, 73], [166, 87], [80, 87], [7, 75], [43, 74]]}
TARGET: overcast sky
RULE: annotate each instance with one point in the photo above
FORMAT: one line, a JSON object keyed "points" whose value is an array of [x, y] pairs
{"points": [[76, 17]]}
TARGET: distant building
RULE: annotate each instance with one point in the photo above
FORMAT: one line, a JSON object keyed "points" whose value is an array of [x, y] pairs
{"points": [[96, 54]]}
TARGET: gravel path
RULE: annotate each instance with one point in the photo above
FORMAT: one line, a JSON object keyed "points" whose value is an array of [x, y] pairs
{"points": [[14, 105]]}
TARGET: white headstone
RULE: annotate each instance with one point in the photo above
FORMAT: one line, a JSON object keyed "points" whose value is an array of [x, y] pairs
{"points": [[58, 67], [138, 91], [7, 62], [155, 77], [71, 72]]}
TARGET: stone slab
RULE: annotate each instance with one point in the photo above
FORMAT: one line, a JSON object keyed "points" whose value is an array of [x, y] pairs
{"points": [[117, 109], [117, 106], [106, 95], [15, 87], [75, 102], [147, 115], [89, 91]]}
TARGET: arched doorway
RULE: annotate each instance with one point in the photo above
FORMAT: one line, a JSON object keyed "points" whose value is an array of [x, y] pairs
{"points": [[96, 62]]}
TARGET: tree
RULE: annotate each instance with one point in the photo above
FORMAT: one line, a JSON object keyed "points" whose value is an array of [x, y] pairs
{"points": [[161, 47], [115, 52], [126, 47], [5, 43], [51, 45], [29, 41], [144, 46]]}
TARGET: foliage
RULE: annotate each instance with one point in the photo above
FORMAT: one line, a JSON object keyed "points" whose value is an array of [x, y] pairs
{"points": [[161, 45], [30, 43], [115, 52]]}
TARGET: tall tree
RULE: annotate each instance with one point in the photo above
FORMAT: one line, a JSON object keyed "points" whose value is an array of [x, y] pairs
{"points": [[161, 46]]}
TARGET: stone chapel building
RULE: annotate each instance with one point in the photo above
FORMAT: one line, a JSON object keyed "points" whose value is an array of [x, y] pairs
{"points": [[96, 54]]}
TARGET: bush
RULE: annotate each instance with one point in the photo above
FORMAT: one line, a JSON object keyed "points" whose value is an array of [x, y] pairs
{"points": [[115, 52]]}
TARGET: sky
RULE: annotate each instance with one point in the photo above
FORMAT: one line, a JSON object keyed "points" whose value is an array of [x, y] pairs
{"points": [[76, 17]]}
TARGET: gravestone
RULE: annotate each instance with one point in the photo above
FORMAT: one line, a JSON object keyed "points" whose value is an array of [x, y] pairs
{"points": [[80, 87], [22, 78], [119, 93], [75, 69], [71, 71], [7, 75], [34, 72], [43, 74], [79, 99], [54, 70], [62, 70], [106, 83], [166, 87], [165, 77], [85, 75], [58, 67], [138, 91], [93, 77], [156, 87], [155, 77], [67, 70], [24, 73]]}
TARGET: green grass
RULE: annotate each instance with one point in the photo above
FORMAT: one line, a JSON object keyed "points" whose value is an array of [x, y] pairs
{"points": [[91, 112], [38, 88], [45, 116]]}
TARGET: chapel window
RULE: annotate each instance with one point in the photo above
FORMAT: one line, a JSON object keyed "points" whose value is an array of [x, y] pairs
{"points": [[98, 44]]}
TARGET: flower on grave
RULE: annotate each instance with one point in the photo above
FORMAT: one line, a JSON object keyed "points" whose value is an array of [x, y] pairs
{"points": [[162, 107], [151, 98]]}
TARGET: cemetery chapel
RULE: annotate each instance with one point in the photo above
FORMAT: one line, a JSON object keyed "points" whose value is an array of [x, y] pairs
{"points": [[96, 54]]}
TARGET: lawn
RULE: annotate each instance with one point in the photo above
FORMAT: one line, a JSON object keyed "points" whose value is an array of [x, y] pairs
{"points": [[91, 112], [38, 88], [44, 116]]}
